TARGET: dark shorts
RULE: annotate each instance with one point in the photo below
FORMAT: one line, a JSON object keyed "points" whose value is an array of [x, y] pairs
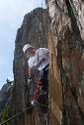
{"points": [[43, 74]]}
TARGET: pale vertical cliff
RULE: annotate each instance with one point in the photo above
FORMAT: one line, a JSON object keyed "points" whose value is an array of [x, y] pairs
{"points": [[66, 75]]}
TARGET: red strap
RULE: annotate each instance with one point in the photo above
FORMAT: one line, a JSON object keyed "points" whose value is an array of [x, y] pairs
{"points": [[37, 88]]}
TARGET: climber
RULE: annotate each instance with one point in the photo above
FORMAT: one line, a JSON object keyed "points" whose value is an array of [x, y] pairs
{"points": [[40, 59]]}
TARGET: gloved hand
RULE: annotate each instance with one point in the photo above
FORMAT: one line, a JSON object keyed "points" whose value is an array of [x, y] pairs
{"points": [[29, 80]]}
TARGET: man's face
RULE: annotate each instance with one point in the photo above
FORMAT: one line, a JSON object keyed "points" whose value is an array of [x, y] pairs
{"points": [[30, 52]]}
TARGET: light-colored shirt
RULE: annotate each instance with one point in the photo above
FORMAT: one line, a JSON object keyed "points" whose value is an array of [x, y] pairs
{"points": [[40, 59]]}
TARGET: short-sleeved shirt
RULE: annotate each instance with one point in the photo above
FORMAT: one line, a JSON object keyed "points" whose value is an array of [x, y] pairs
{"points": [[40, 59]]}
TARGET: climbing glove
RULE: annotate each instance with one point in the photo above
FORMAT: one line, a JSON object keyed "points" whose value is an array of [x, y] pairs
{"points": [[29, 80]]}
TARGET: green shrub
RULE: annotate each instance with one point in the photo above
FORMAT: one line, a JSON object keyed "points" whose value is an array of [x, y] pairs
{"points": [[5, 115]]}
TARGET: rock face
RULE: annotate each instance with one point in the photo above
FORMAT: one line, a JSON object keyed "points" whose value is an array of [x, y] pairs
{"points": [[5, 96], [66, 76], [34, 30], [66, 73]]}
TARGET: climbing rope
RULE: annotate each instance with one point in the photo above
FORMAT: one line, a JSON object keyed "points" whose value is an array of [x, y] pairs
{"points": [[21, 113], [16, 115]]}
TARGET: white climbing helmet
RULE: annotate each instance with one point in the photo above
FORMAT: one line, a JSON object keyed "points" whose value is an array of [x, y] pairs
{"points": [[27, 46]]}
